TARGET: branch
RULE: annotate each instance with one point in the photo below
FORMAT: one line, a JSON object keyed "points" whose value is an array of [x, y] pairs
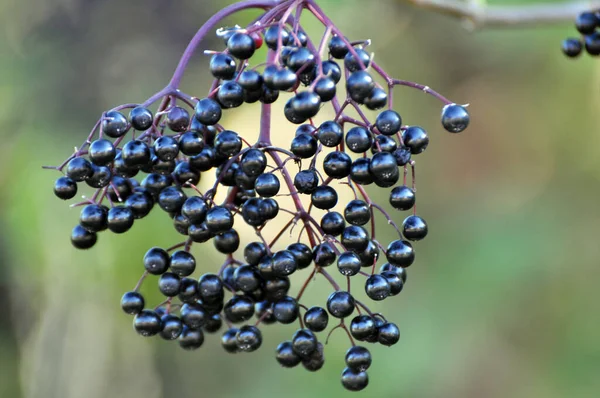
{"points": [[478, 14]]}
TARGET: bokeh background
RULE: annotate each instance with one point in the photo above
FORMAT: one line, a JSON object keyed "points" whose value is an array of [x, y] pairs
{"points": [[502, 301]]}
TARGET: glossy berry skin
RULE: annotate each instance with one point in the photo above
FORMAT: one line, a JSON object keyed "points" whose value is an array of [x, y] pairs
{"points": [[210, 288], [191, 143], [325, 88], [191, 339], [337, 164], [358, 358], [349, 264], [302, 254], [377, 99], [324, 255], [416, 139], [239, 309], [587, 22], [395, 282], [414, 228], [222, 66], [337, 48], [172, 327], [304, 146], [384, 143], [333, 223], [102, 152], [357, 212], [141, 118], [324, 197], [241, 45], [388, 334], [316, 360], [156, 261], [354, 64], [316, 319], [79, 169], [330, 134], [195, 209], [83, 239], [253, 252], [402, 198], [306, 181], [219, 219], [359, 139], [246, 278], [340, 304], [147, 323], [455, 118], [377, 287], [94, 218], [384, 169], [120, 219], [286, 356], [286, 310], [229, 341], [253, 162], [592, 43], [230, 94], [182, 263], [132, 303], [304, 342], [572, 47], [248, 338], [360, 85], [227, 242], [362, 327], [359, 171], [114, 124], [169, 284], [388, 122], [135, 153], [178, 119], [267, 185], [355, 238], [65, 188], [354, 380], [400, 253], [228, 143], [401, 272], [332, 70], [208, 112], [369, 255]]}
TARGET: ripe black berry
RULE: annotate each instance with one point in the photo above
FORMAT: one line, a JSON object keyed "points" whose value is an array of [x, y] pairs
{"points": [[172, 327], [353, 380], [208, 112], [94, 218], [333, 223], [141, 118], [353, 63], [316, 319], [222, 66], [572, 47], [363, 327], [337, 164], [324, 255], [587, 22], [132, 303], [248, 338], [357, 212], [304, 146], [395, 282], [349, 264], [324, 197], [120, 219], [388, 334], [358, 358], [286, 310], [239, 309], [286, 356], [219, 219], [191, 339], [416, 139], [306, 181], [359, 139], [147, 323], [169, 284], [337, 48], [156, 261], [102, 152], [241, 45], [330, 134], [304, 342], [340, 304], [65, 188], [377, 287], [388, 122], [455, 118], [229, 341], [183, 263], [230, 94], [79, 169], [355, 238], [227, 242], [402, 198], [414, 228], [400, 253], [114, 124]]}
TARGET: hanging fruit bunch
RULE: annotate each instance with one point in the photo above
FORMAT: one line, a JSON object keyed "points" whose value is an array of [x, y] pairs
{"points": [[136, 159]]}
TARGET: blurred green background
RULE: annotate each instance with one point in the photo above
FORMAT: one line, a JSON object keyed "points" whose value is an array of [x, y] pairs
{"points": [[501, 302]]}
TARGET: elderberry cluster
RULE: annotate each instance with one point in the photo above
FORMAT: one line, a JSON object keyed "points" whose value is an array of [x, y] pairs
{"points": [[588, 25], [141, 160]]}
